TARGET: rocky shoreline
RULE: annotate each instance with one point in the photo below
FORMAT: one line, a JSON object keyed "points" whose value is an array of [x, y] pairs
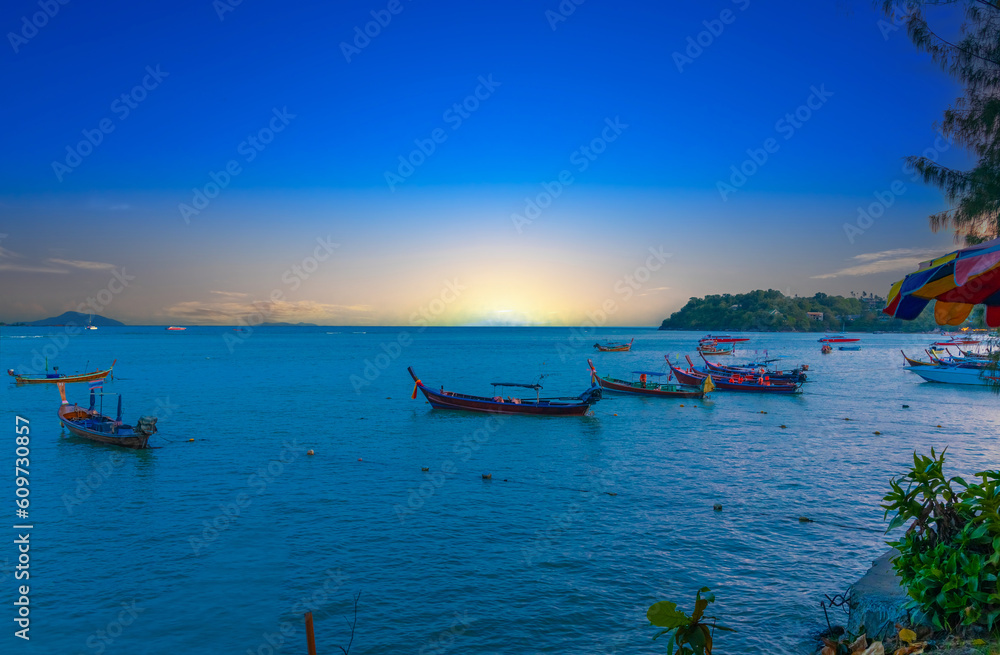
{"points": [[878, 603]]}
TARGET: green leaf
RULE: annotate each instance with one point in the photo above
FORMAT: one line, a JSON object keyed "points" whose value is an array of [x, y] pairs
{"points": [[896, 522], [665, 614], [661, 633]]}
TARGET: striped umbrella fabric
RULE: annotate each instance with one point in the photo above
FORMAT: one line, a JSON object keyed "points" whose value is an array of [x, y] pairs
{"points": [[957, 282]]}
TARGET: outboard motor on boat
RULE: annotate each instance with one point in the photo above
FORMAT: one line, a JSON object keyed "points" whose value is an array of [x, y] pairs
{"points": [[592, 395], [146, 425]]}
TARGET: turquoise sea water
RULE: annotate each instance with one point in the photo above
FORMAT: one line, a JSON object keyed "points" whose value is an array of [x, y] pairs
{"points": [[219, 545]]}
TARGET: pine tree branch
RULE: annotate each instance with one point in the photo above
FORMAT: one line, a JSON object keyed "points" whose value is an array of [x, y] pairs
{"points": [[988, 4], [957, 47]]}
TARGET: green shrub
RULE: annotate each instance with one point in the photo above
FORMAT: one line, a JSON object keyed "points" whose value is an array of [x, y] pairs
{"points": [[948, 558], [692, 635]]}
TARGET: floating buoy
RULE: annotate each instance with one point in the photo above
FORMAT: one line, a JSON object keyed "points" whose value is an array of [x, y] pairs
{"points": [[190, 439], [425, 468], [805, 519], [610, 493], [939, 426], [682, 404], [388, 397], [487, 476], [614, 415], [847, 419], [717, 507], [782, 426], [310, 452], [359, 459], [906, 406], [876, 432]]}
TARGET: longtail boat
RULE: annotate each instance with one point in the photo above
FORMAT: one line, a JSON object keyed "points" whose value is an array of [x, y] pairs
{"points": [[644, 388], [826, 349], [849, 348], [55, 376], [91, 424], [734, 382], [915, 362], [837, 338], [712, 348], [496, 404], [792, 375], [174, 328], [614, 347]]}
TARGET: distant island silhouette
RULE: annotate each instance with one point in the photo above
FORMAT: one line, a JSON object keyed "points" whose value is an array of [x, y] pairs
{"points": [[73, 318], [772, 311]]}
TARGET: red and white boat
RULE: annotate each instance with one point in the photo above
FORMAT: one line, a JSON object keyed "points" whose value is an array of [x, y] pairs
{"points": [[174, 328], [957, 342], [838, 338], [722, 338]]}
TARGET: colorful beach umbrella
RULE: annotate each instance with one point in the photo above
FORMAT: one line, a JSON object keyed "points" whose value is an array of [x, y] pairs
{"points": [[958, 282]]}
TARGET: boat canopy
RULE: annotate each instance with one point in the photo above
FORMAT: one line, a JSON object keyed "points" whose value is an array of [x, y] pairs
{"points": [[656, 373], [516, 384]]}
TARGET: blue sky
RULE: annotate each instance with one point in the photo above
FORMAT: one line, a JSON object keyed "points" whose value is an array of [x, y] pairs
{"points": [[628, 117]]}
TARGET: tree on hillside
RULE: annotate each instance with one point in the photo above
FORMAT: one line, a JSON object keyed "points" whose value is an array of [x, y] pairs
{"points": [[973, 121]]}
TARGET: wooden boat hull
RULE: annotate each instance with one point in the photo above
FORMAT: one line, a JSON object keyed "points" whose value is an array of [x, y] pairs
{"points": [[721, 383], [714, 351], [81, 423], [44, 379], [776, 376], [616, 348], [542, 407], [915, 362], [656, 390]]}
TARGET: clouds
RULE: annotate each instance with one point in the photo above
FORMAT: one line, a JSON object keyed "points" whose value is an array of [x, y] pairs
{"points": [[84, 265], [237, 308], [15, 267], [654, 290], [18, 263], [902, 260]]}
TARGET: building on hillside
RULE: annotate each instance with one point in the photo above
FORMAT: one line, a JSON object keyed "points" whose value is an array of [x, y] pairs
{"points": [[816, 316]]}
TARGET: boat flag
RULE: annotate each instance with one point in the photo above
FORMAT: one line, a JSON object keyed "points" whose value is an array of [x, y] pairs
{"points": [[707, 386], [96, 384], [416, 385]]}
